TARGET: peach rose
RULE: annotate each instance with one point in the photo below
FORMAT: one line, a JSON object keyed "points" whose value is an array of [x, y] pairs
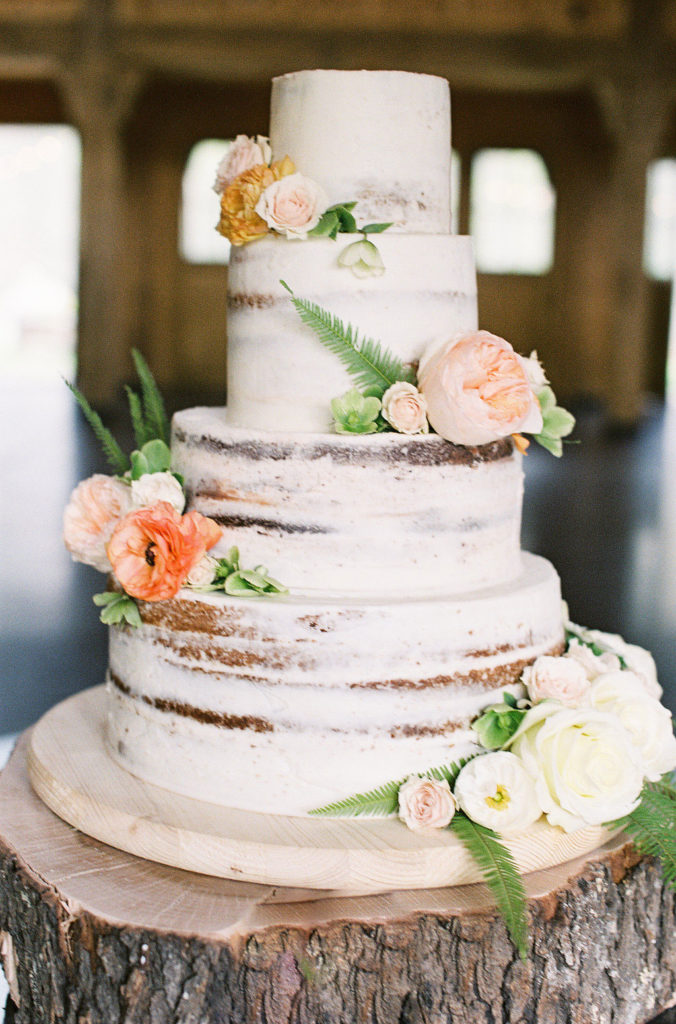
{"points": [[243, 154], [426, 803], [477, 390], [563, 679], [292, 205], [405, 408], [152, 550], [239, 221], [95, 507]]}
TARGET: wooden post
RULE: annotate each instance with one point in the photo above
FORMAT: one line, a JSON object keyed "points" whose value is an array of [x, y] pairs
{"points": [[90, 935]]}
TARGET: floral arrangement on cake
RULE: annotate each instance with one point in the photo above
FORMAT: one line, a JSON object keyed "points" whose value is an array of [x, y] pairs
{"points": [[132, 524], [584, 741], [471, 389], [259, 196]]}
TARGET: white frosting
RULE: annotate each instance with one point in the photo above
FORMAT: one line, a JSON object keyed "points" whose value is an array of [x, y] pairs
{"points": [[382, 138], [280, 376], [359, 515], [380, 688]]}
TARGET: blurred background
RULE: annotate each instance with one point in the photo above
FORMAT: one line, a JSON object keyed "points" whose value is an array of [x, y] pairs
{"points": [[113, 114]]}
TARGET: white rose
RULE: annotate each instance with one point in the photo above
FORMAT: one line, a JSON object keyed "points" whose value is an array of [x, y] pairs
{"points": [[535, 371], [649, 722], [154, 487], [405, 408], [586, 767], [243, 154], [561, 679], [202, 574], [495, 790], [426, 803], [594, 665], [93, 511], [636, 658], [292, 205]]}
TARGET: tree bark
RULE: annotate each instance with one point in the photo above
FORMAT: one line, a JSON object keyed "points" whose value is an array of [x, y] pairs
{"points": [[91, 935]]}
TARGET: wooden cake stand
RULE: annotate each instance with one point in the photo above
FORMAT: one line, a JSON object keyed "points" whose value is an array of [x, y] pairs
{"points": [[93, 935]]}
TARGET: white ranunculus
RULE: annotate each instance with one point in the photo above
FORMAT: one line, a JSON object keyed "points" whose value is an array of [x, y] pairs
{"points": [[242, 154], [561, 679], [405, 409], [649, 722], [586, 767], [154, 487], [594, 665], [495, 790], [293, 205], [426, 804], [202, 574]]}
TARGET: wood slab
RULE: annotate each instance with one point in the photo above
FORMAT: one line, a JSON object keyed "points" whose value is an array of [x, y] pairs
{"points": [[93, 935], [73, 773]]}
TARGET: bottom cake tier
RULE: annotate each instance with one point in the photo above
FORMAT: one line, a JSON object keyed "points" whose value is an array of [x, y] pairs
{"points": [[280, 706]]}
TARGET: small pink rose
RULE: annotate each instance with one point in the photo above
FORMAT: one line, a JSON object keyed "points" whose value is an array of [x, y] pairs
{"points": [[243, 154], [405, 408], [477, 390], [95, 507], [426, 803], [562, 679], [292, 205]]}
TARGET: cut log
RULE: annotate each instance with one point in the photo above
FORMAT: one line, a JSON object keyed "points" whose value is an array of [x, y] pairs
{"points": [[92, 935]]}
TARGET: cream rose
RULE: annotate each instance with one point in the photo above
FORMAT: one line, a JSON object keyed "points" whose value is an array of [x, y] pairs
{"points": [[649, 722], [426, 803], [154, 487], [292, 205], [562, 679], [586, 768], [405, 408], [636, 658], [243, 154], [202, 574], [477, 390], [535, 372], [95, 507], [593, 665], [495, 790]]}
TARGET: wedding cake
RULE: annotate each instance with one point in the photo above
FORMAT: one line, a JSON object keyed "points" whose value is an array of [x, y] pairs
{"points": [[409, 631]]}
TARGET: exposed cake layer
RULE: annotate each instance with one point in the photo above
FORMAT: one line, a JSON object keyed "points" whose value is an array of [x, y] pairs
{"points": [[382, 138], [282, 705], [280, 376], [381, 514]]}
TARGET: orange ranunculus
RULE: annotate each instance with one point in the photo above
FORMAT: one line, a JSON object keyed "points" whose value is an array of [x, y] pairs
{"points": [[152, 550], [239, 221]]}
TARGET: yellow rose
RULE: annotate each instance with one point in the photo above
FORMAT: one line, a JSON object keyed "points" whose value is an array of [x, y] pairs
{"points": [[239, 221]]}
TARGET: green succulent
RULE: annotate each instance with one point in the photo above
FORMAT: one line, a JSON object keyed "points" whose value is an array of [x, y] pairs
{"points": [[355, 413]]}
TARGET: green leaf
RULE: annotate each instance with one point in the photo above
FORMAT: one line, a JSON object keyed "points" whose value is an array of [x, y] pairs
{"points": [[551, 444], [136, 414], [139, 465], [348, 224], [111, 449], [327, 224], [375, 229], [366, 360], [496, 726], [546, 399], [117, 608], [157, 455], [237, 586], [500, 874], [652, 827], [558, 422], [156, 419]]}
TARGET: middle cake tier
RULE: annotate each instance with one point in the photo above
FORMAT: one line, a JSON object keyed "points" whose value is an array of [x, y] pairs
{"points": [[374, 515]]}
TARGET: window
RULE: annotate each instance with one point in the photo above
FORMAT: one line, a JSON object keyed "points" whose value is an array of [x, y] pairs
{"points": [[199, 242], [512, 212], [39, 248], [659, 254]]}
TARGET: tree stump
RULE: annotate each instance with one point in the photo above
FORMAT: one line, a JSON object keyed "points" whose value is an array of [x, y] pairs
{"points": [[91, 935]]}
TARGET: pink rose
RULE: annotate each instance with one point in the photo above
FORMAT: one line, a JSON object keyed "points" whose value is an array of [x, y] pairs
{"points": [[243, 154], [426, 803], [562, 679], [292, 205], [405, 408], [95, 507], [477, 390]]}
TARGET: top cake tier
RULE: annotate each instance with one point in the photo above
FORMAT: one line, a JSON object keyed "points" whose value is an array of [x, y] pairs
{"points": [[382, 138]]}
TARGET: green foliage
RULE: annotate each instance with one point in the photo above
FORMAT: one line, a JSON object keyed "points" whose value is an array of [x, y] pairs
{"points": [[652, 826], [496, 726], [117, 460], [500, 874], [375, 229], [136, 415], [557, 422], [238, 582], [337, 218], [154, 414], [354, 413], [154, 457], [117, 608], [371, 366]]}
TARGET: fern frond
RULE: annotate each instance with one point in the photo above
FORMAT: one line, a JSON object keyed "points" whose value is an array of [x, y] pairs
{"points": [[137, 420], [500, 874], [155, 416], [371, 365], [449, 772], [111, 449], [652, 827], [381, 801]]}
